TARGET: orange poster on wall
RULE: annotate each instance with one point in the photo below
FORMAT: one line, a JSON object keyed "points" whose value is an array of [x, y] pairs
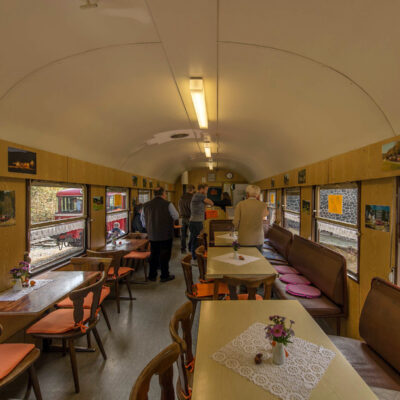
{"points": [[335, 203], [272, 198], [117, 200]]}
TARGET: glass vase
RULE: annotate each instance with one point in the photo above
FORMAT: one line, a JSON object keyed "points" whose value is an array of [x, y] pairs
{"points": [[17, 284], [235, 255], [278, 354]]}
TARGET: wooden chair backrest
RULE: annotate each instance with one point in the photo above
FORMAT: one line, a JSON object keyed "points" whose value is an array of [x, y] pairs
{"points": [[252, 284], [116, 257], [187, 273], [136, 235], [161, 365], [78, 296], [182, 319], [201, 262], [87, 264], [1, 329], [219, 225]]}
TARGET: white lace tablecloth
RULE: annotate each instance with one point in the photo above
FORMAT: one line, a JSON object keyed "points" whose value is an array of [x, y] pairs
{"points": [[13, 295], [294, 380], [227, 236], [228, 258]]}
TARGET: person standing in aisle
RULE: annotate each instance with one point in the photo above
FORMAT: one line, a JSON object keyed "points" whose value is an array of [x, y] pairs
{"points": [[184, 212], [249, 216], [158, 217], [197, 216]]}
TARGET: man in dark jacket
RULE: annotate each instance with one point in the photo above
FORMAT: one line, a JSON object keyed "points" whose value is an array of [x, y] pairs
{"points": [[184, 212], [158, 217]]}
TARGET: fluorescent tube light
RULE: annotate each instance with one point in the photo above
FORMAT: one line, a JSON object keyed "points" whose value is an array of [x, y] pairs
{"points": [[210, 165], [199, 101], [207, 149]]}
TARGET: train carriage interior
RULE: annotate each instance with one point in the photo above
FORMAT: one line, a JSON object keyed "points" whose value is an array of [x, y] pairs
{"points": [[199, 199]]}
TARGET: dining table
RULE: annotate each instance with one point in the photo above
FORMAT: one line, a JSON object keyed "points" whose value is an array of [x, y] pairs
{"points": [[230, 335], [221, 261], [126, 245], [224, 238]]}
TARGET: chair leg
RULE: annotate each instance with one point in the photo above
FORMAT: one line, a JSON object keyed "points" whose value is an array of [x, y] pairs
{"points": [[128, 285], [99, 342], [117, 295], [74, 365], [103, 310], [33, 381], [64, 347]]}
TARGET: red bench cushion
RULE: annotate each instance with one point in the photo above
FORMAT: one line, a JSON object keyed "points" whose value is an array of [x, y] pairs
{"points": [[11, 354], [285, 269], [307, 291], [294, 279]]}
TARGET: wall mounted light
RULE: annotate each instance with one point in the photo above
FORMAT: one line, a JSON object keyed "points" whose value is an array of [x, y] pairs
{"points": [[199, 101]]}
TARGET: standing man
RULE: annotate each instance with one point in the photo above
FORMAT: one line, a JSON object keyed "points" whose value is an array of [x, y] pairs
{"points": [[184, 212], [197, 216], [248, 220], [158, 217]]}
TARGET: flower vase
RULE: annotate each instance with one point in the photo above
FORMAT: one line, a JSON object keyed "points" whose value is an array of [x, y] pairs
{"points": [[17, 284], [278, 354], [235, 255]]}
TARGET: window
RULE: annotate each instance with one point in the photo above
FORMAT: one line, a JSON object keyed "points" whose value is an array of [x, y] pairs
{"points": [[291, 210], [144, 196], [337, 222], [57, 223], [271, 206], [169, 196], [117, 213]]}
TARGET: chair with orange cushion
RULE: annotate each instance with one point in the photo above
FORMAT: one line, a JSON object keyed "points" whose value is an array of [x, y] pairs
{"points": [[141, 257], [201, 254], [15, 359], [69, 324], [89, 264], [196, 292], [161, 365], [116, 273], [182, 320], [251, 284]]}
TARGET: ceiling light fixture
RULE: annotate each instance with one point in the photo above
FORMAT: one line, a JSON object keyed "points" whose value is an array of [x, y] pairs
{"points": [[210, 164], [88, 4], [207, 149], [199, 101]]}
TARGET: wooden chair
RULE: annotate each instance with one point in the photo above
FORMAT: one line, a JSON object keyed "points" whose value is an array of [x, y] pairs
{"points": [[201, 255], [89, 264], [136, 235], [15, 359], [219, 225], [116, 273], [182, 319], [70, 324], [161, 365], [141, 258], [196, 292], [252, 284]]}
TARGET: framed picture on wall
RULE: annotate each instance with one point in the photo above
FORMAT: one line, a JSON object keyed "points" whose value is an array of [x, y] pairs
{"points": [[98, 203], [144, 182], [21, 161], [7, 207], [286, 179], [301, 178], [134, 180]]}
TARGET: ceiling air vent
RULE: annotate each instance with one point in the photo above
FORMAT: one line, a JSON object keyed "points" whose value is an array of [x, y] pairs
{"points": [[179, 135]]}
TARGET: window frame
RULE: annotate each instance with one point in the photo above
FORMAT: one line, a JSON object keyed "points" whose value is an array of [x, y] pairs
{"points": [[316, 218], [126, 210], [270, 206], [284, 210], [140, 191], [30, 226]]}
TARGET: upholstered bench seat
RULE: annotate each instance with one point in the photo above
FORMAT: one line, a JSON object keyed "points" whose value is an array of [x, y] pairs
{"points": [[320, 306], [11, 354], [369, 365]]}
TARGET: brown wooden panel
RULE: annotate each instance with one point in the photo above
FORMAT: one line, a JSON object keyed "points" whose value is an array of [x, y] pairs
{"points": [[306, 219], [352, 321], [97, 219]]}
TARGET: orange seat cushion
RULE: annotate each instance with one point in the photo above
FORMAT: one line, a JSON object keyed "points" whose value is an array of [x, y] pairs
{"points": [[245, 296], [207, 289], [121, 271], [139, 255], [59, 321], [87, 303], [11, 354]]}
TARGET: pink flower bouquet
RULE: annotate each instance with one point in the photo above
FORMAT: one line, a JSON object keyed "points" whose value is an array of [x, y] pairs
{"points": [[277, 331]]}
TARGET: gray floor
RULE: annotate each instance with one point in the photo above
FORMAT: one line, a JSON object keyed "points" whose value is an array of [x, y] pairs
{"points": [[139, 332]]}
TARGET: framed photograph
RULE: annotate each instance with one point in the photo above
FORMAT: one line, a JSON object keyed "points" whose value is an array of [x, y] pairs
{"points": [[7, 207], [98, 203], [144, 182], [306, 207], [273, 183], [377, 218], [301, 177], [391, 156], [134, 180], [21, 161], [151, 184], [286, 179]]}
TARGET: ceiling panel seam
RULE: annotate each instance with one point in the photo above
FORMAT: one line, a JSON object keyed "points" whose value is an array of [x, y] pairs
{"points": [[290, 52], [172, 73], [61, 59], [217, 49]]}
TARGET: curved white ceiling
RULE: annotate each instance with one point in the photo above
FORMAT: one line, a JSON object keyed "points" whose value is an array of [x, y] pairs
{"points": [[287, 83]]}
